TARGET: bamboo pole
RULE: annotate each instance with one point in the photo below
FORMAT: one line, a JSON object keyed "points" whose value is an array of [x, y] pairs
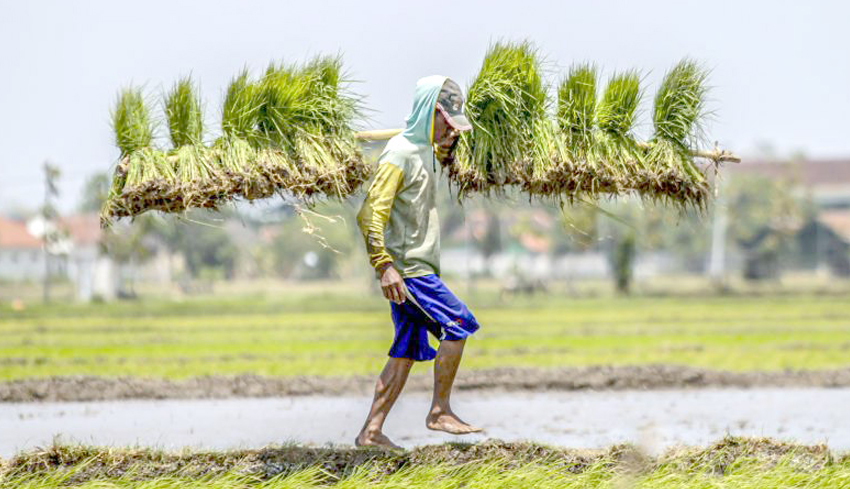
{"points": [[716, 154]]}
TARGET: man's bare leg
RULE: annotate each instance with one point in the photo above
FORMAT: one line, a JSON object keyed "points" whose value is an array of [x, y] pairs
{"points": [[389, 386], [441, 417]]}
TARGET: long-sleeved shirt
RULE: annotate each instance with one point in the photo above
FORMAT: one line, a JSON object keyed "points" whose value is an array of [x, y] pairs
{"points": [[399, 218]]}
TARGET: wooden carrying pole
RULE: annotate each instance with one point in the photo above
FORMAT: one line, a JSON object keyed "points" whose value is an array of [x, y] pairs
{"points": [[715, 155]]}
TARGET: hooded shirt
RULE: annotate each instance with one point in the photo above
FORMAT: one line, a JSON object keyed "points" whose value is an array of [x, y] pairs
{"points": [[398, 218]]}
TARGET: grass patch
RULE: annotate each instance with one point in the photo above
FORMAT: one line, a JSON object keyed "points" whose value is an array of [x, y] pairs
{"points": [[730, 462]]}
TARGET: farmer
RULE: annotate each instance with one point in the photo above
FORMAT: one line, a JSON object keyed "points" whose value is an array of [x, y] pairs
{"points": [[402, 231]]}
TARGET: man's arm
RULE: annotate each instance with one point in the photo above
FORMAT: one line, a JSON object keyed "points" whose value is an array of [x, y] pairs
{"points": [[372, 220]]}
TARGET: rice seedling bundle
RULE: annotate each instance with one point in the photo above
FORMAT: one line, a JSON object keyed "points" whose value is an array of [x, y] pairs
{"points": [[236, 149], [506, 105], [199, 179], [140, 165], [586, 146], [290, 131], [579, 167], [620, 158], [306, 117], [678, 113], [576, 112]]}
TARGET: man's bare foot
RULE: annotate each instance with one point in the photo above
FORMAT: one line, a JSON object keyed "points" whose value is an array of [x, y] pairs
{"points": [[375, 439], [450, 423]]}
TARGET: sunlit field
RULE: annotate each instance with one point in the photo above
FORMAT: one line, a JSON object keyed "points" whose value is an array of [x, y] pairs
{"points": [[339, 333]]}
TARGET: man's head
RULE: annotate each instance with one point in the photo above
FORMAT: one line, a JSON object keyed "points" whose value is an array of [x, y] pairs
{"points": [[449, 120]]}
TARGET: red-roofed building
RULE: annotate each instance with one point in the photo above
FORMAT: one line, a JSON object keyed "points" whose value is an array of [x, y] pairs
{"points": [[14, 235], [21, 255], [82, 229], [75, 254], [838, 221], [827, 180], [823, 242]]}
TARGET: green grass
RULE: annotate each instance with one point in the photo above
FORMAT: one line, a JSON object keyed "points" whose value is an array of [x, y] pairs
{"points": [[729, 463], [337, 335], [493, 475]]}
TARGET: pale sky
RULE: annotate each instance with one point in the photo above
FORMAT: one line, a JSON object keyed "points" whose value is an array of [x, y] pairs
{"points": [[781, 69]]}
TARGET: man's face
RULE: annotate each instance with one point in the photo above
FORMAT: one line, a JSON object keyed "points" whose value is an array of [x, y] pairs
{"points": [[444, 136]]}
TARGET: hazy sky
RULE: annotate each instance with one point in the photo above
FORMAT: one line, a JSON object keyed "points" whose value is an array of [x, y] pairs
{"points": [[781, 69]]}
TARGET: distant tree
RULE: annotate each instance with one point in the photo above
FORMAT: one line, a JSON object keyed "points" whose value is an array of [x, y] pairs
{"points": [[682, 233], [622, 261], [577, 228], [94, 193], [126, 242], [489, 242], [207, 248], [312, 246], [129, 244], [764, 215]]}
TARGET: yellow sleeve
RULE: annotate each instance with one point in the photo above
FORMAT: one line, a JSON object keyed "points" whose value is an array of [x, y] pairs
{"points": [[373, 216]]}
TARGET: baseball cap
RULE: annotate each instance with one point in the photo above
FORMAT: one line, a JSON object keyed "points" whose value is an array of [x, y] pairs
{"points": [[450, 103]]}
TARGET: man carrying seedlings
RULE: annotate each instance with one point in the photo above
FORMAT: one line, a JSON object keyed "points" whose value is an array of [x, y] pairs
{"points": [[402, 231]]}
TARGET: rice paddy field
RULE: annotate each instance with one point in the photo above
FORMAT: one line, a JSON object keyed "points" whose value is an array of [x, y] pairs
{"points": [[339, 333], [342, 333]]}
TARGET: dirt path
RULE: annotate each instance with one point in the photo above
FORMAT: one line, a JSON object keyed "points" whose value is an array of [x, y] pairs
{"points": [[655, 420], [510, 379]]}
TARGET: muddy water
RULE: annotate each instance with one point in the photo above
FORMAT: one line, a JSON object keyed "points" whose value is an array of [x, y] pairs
{"points": [[586, 419]]}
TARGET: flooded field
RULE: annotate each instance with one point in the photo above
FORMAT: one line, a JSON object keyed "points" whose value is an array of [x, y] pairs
{"points": [[655, 419]]}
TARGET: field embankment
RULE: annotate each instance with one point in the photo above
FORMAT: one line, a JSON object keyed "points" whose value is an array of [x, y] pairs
{"points": [[731, 462], [94, 388]]}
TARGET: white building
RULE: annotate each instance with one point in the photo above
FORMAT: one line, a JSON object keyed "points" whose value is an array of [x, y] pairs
{"points": [[93, 273]]}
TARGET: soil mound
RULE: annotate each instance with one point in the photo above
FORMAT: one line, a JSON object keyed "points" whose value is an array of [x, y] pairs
{"points": [[91, 388]]}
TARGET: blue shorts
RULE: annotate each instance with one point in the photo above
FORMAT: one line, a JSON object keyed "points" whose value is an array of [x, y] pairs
{"points": [[449, 319]]}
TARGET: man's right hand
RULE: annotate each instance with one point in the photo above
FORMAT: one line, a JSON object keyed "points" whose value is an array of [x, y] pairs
{"points": [[392, 285]]}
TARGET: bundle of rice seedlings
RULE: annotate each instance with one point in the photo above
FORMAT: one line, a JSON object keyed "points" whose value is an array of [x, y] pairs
{"points": [[284, 110], [678, 114], [548, 171], [131, 122], [327, 78], [620, 158], [199, 181], [138, 163], [506, 105], [183, 112], [581, 169], [236, 148], [239, 115], [325, 174], [576, 111], [306, 116], [150, 180]]}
